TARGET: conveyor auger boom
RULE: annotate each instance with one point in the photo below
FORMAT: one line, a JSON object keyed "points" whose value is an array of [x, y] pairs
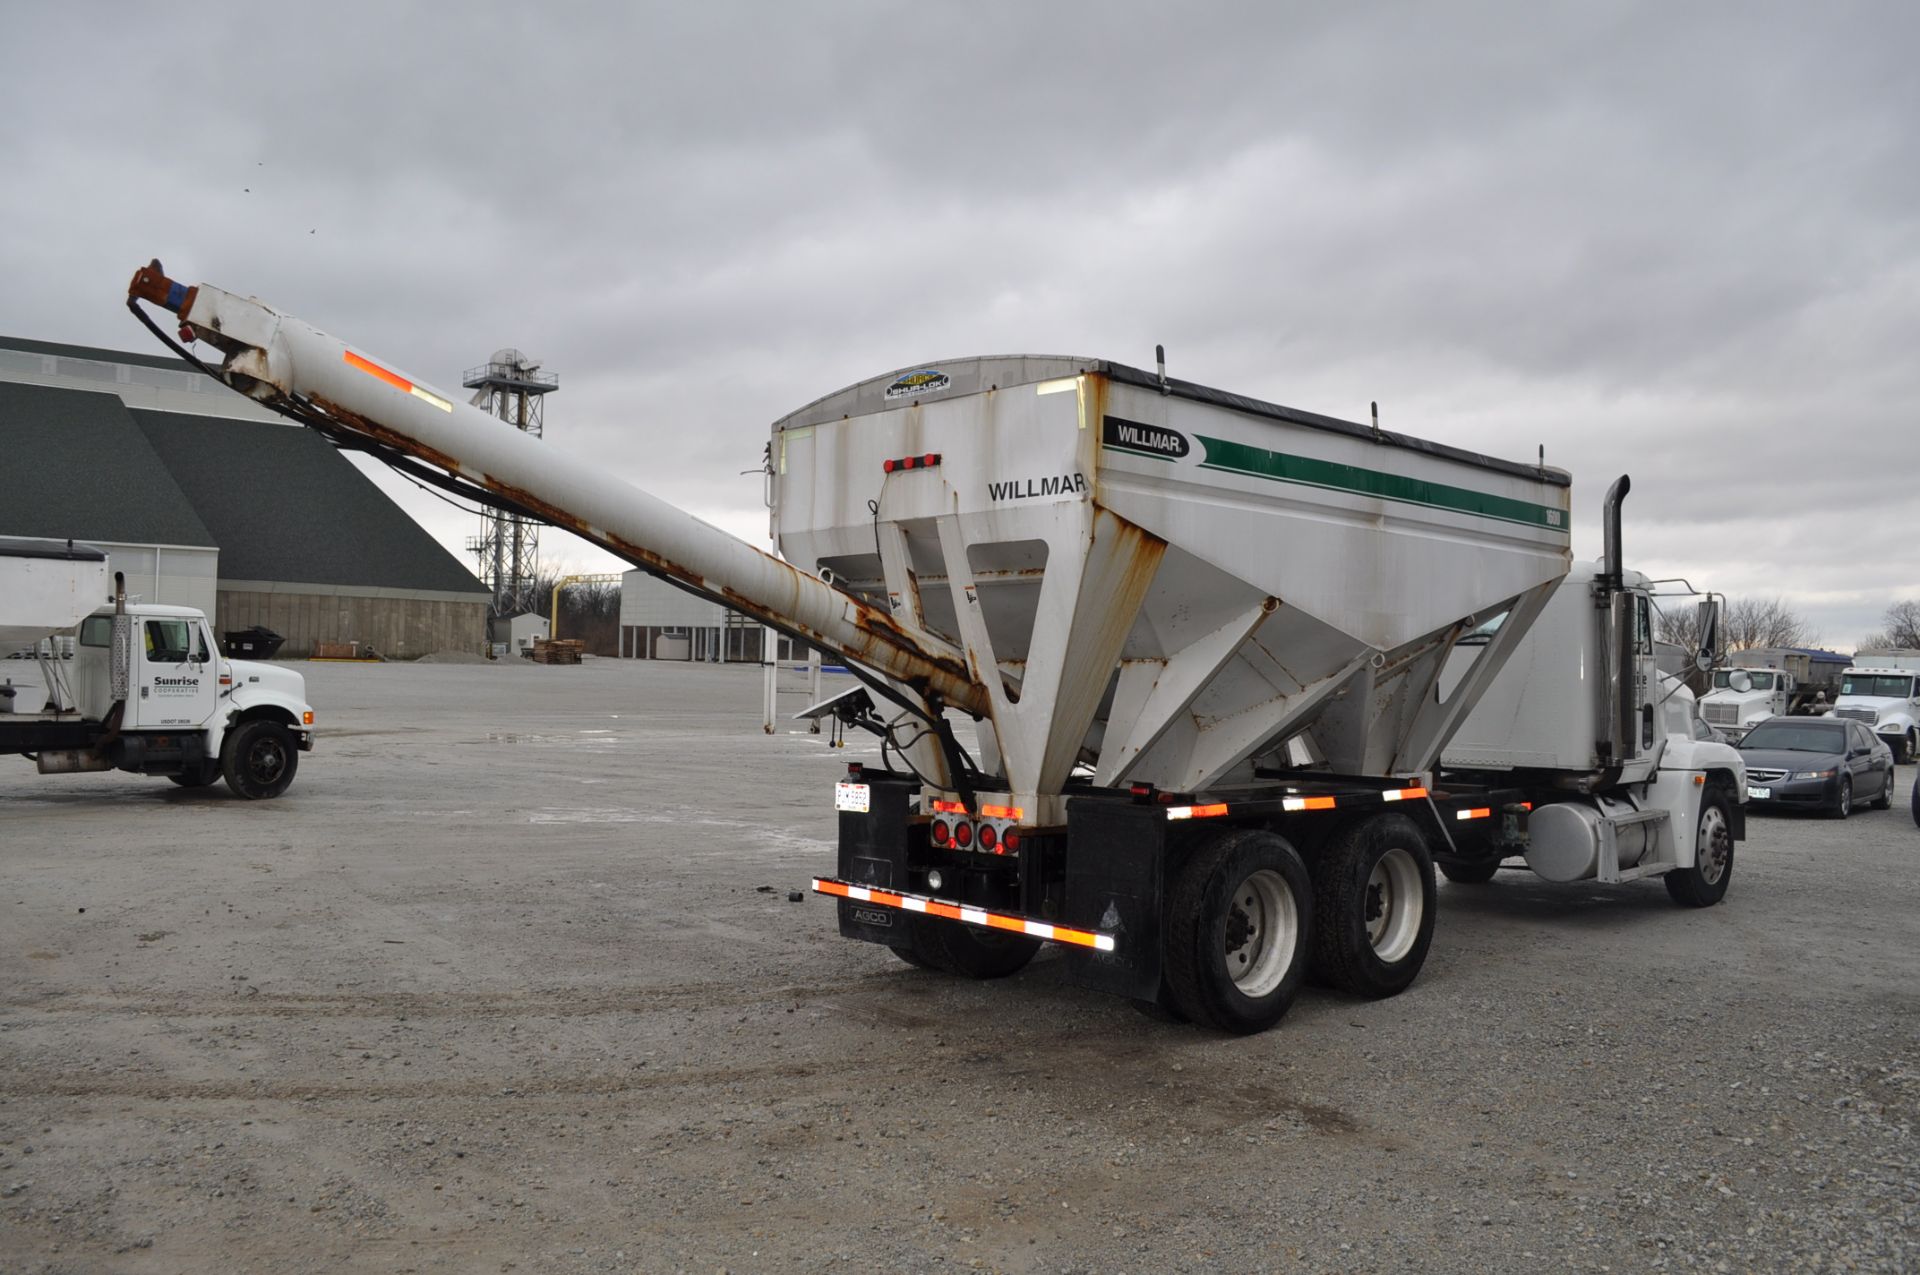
{"points": [[358, 400]]}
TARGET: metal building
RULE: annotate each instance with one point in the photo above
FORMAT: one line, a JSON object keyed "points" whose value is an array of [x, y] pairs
{"points": [[203, 499], [660, 622], [77, 466]]}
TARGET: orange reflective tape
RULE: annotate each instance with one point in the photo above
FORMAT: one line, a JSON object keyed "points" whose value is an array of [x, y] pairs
{"points": [[394, 379], [374, 370], [1480, 813], [949, 808], [1003, 812], [966, 915]]}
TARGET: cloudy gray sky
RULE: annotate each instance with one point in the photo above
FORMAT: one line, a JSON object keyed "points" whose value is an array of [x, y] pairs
{"points": [[1675, 240]]}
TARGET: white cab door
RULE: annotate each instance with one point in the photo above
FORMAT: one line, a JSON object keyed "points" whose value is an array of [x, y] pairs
{"points": [[176, 675]]}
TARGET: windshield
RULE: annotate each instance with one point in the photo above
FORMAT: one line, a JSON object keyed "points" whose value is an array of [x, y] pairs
{"points": [[1484, 631], [1887, 685], [1809, 737], [1762, 681]]}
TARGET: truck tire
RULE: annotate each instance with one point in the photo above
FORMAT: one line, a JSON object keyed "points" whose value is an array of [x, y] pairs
{"points": [[1705, 883], [1843, 804], [1374, 903], [911, 956], [1916, 801], [1239, 931], [913, 942], [972, 952], [1161, 1008], [199, 777], [1478, 873], [259, 759]]}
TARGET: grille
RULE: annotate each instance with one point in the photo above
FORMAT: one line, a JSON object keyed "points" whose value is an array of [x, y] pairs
{"points": [[1866, 715], [1765, 776], [1723, 714]]}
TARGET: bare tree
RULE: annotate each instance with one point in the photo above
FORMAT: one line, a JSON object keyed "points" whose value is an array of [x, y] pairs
{"points": [[589, 611], [1903, 628], [1680, 626], [1744, 623]]}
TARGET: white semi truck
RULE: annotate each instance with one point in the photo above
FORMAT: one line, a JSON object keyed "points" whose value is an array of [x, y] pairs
{"points": [[1882, 689], [1212, 648], [146, 689], [1764, 682]]}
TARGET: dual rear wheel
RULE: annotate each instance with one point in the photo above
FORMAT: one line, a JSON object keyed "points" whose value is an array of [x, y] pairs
{"points": [[1248, 922], [966, 950]]}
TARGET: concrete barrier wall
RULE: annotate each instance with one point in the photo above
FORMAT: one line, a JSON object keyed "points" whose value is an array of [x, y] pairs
{"points": [[397, 627]]}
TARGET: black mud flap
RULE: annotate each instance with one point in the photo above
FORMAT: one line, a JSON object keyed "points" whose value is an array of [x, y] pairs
{"points": [[875, 850], [1116, 870]]}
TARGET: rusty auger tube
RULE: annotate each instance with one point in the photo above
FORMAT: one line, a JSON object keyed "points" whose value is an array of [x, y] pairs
{"points": [[297, 370]]}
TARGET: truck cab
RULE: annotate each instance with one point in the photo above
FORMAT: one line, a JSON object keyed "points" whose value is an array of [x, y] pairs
{"points": [[1879, 690], [1581, 719], [1742, 698]]}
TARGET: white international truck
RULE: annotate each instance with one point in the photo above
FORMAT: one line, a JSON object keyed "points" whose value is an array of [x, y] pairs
{"points": [[1211, 649], [1762, 682], [1879, 688], [146, 690]]}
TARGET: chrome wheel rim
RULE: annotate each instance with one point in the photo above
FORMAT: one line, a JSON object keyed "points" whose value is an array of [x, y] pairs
{"points": [[1263, 929], [1716, 845], [1395, 905]]}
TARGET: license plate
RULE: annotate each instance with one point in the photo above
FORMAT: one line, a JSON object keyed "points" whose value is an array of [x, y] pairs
{"points": [[854, 797], [1759, 794]]}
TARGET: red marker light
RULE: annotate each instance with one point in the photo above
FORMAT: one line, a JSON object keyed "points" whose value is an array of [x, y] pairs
{"points": [[988, 837], [962, 833], [940, 835]]}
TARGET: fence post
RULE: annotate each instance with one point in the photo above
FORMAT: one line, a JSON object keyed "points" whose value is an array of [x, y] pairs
{"points": [[768, 671], [813, 682]]}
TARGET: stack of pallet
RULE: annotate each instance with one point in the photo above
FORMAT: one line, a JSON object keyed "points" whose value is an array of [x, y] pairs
{"points": [[556, 651]]}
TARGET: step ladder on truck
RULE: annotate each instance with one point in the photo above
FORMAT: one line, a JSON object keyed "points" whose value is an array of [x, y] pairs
{"points": [[1217, 653]]}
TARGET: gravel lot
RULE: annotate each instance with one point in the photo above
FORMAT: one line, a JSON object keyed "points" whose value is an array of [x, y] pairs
{"points": [[509, 981]]}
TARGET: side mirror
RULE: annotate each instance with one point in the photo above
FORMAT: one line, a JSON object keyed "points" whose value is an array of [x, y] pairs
{"points": [[1740, 681], [1708, 626]]}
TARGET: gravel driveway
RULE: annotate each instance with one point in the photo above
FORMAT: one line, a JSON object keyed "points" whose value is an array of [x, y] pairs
{"points": [[510, 981]]}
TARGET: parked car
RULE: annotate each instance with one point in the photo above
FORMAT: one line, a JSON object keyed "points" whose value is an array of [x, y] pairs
{"points": [[1816, 763]]}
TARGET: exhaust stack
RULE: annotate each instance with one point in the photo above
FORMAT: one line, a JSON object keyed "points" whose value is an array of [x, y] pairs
{"points": [[1617, 687]]}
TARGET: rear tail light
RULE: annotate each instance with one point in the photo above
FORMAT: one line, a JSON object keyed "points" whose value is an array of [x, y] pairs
{"points": [[1011, 842], [940, 834], [988, 837], [962, 833]]}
